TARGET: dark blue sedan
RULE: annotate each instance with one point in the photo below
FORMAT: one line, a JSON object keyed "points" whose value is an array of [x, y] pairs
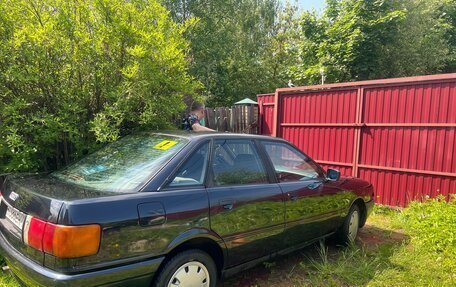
{"points": [[173, 209]]}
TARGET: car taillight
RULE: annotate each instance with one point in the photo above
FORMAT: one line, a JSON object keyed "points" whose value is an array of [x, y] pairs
{"points": [[60, 240], [33, 232]]}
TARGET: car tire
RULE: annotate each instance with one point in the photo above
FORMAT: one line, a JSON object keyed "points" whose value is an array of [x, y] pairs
{"points": [[349, 230], [190, 268]]}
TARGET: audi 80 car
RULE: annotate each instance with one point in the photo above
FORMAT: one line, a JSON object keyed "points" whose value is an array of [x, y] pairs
{"points": [[173, 209]]}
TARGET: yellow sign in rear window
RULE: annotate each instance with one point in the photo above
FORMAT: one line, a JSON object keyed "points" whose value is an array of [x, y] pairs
{"points": [[164, 145]]}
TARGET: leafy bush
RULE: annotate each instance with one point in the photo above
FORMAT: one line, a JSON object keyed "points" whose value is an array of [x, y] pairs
{"points": [[76, 72]]}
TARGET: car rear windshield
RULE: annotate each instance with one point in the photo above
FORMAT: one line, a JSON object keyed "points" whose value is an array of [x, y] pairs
{"points": [[124, 165]]}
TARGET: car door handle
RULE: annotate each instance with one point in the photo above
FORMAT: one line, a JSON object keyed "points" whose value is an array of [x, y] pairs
{"points": [[292, 197], [314, 185], [227, 204]]}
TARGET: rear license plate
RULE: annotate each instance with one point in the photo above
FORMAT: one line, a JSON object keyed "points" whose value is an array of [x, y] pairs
{"points": [[15, 216]]}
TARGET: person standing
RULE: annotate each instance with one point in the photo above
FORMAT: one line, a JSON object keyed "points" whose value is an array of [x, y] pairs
{"points": [[195, 120]]}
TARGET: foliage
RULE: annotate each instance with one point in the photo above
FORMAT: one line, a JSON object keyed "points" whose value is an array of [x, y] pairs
{"points": [[356, 37], [346, 42], [284, 48], [370, 39], [228, 45], [420, 45], [76, 72], [242, 48], [8, 281], [432, 224], [448, 13], [427, 258], [355, 265]]}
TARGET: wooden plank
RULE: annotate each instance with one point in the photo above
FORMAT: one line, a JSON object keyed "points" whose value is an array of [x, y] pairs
{"points": [[228, 121], [237, 119]]}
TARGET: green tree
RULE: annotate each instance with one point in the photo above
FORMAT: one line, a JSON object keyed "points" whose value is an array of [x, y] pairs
{"points": [[76, 72], [229, 45], [283, 54], [449, 14], [346, 41], [356, 38], [306, 57], [370, 39], [422, 42]]}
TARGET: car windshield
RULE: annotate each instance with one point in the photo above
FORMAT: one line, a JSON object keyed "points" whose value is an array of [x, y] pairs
{"points": [[124, 165]]}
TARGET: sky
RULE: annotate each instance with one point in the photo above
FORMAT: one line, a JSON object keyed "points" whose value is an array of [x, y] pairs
{"points": [[309, 4]]}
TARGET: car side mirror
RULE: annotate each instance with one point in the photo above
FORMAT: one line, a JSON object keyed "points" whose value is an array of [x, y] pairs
{"points": [[333, 175]]}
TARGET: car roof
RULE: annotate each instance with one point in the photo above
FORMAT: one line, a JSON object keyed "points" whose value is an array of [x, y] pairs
{"points": [[190, 135]]}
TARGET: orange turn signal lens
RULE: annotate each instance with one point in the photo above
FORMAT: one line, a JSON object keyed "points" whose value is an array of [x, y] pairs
{"points": [[60, 240], [72, 241]]}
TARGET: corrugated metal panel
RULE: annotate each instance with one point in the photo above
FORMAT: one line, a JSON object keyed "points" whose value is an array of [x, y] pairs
{"points": [[266, 108], [418, 148], [408, 146], [265, 98], [323, 143], [420, 103], [400, 134], [320, 123], [333, 106], [268, 113], [399, 188]]}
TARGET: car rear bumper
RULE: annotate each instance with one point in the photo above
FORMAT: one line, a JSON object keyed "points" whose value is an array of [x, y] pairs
{"points": [[31, 274]]}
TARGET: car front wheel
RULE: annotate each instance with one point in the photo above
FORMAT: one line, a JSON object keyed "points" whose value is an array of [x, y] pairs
{"points": [[349, 230], [191, 268]]}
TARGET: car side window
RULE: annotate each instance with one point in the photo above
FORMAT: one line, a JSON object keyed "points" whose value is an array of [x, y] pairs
{"points": [[290, 164], [193, 171], [237, 162]]}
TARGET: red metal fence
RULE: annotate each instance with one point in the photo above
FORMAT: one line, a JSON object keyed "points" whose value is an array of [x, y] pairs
{"points": [[400, 134]]}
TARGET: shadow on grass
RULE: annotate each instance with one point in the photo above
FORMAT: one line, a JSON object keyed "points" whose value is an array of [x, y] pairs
{"points": [[326, 264]]}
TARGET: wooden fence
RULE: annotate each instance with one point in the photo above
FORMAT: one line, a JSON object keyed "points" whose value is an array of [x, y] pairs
{"points": [[237, 119]]}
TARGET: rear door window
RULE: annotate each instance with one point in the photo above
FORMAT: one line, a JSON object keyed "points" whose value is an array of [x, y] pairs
{"points": [[193, 171]]}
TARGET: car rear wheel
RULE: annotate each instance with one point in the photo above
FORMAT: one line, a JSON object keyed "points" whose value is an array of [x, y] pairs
{"points": [[349, 230], [191, 268]]}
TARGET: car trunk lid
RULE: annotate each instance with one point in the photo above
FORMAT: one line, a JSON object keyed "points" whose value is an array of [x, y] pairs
{"points": [[37, 195]]}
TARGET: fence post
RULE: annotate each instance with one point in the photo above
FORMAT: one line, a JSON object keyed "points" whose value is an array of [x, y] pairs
{"points": [[275, 124], [358, 127]]}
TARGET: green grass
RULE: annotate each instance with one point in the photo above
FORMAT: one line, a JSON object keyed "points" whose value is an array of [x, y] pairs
{"points": [[412, 247], [6, 280]]}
